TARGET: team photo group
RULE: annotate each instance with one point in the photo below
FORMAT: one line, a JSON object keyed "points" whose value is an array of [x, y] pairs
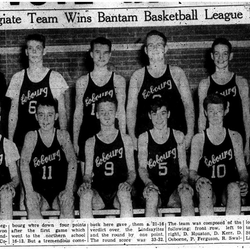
{"points": [[132, 145]]}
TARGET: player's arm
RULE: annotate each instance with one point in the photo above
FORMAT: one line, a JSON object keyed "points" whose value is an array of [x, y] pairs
{"points": [[129, 154], [182, 159], [239, 159], [68, 149], [62, 112], [244, 93], [120, 89], [87, 168], [27, 150], [13, 117], [143, 162], [132, 105], [81, 84], [202, 93], [187, 99]]}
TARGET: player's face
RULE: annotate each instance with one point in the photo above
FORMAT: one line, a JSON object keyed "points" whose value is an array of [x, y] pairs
{"points": [[106, 113], [46, 117], [221, 56], [215, 113], [159, 118], [155, 48], [35, 51], [100, 54]]}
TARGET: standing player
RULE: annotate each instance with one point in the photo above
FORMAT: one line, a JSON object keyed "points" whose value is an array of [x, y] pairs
{"points": [[162, 164], [233, 87], [110, 171], [29, 86], [91, 87], [48, 165], [9, 178], [217, 166], [162, 79]]}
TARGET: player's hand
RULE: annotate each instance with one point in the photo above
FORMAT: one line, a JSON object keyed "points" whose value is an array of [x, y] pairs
{"points": [[201, 181], [124, 186], [150, 187], [247, 154], [135, 142], [86, 185], [185, 185], [8, 187], [243, 188]]}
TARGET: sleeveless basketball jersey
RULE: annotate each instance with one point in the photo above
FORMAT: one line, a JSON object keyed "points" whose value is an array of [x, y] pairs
{"points": [[4, 170], [162, 164], [234, 119], [30, 94], [90, 124], [110, 167], [49, 168], [218, 162], [166, 87]]}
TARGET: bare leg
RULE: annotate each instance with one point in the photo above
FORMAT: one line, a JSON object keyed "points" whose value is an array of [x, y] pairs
{"points": [[152, 199], [186, 197], [125, 201], [66, 206], [6, 205], [86, 204], [206, 199], [33, 207], [233, 199]]}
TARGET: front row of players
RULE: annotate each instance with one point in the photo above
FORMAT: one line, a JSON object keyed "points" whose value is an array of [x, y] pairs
{"points": [[217, 173]]}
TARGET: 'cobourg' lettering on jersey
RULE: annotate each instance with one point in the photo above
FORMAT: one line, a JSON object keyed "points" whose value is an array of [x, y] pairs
{"points": [[30, 93], [234, 118], [110, 167], [48, 168], [4, 170], [162, 163], [166, 87], [90, 124]]}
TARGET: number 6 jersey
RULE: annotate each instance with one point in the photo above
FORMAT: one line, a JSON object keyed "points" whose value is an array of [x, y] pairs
{"points": [[49, 168]]}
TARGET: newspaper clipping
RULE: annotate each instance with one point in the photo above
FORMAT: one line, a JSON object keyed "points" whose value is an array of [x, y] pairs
{"points": [[106, 229]]}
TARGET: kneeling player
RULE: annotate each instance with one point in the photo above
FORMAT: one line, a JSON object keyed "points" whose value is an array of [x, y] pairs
{"points": [[217, 166], [110, 170], [9, 178], [48, 165], [162, 164]]}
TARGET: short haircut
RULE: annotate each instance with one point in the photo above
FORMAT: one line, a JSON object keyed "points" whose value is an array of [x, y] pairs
{"points": [[35, 37], [51, 102], [100, 40], [156, 103], [214, 99], [106, 98], [223, 41], [156, 33]]}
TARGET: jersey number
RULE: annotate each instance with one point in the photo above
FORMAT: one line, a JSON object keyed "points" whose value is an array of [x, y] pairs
{"points": [[218, 171], [32, 107], [109, 169], [93, 109], [163, 169], [47, 173]]}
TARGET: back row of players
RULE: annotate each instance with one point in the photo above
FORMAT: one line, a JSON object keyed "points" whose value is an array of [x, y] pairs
{"points": [[160, 120]]}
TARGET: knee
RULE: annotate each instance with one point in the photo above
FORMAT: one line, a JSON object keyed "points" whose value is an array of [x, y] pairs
{"points": [[233, 189], [206, 190], [123, 196], [86, 194], [185, 191], [6, 194], [152, 197], [66, 199]]}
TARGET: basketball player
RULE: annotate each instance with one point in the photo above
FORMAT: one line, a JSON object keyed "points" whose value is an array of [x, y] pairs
{"points": [[162, 164], [48, 165], [162, 79], [233, 87], [110, 170], [91, 87], [217, 166], [29, 86], [9, 178]]}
